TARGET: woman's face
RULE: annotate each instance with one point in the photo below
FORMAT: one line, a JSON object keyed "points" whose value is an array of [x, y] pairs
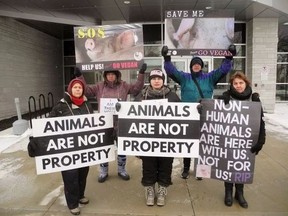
{"points": [[196, 68], [239, 85], [111, 77], [156, 83], [77, 90]]}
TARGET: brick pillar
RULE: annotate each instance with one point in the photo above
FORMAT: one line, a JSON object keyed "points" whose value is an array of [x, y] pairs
{"points": [[262, 39]]}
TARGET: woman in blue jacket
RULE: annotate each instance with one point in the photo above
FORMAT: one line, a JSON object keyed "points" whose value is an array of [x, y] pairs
{"points": [[196, 84]]}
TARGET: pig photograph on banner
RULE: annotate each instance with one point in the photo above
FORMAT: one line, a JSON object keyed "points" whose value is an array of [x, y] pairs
{"points": [[199, 32], [109, 47], [158, 128], [227, 133], [70, 142]]}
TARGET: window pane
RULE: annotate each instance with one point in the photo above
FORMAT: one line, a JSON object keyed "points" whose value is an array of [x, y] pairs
{"points": [[152, 33], [240, 33], [282, 92], [69, 49], [282, 57], [282, 73], [152, 51], [283, 38]]}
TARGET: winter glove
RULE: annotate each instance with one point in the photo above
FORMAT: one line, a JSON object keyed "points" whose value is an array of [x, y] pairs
{"points": [[143, 68], [232, 50], [225, 97], [256, 148], [255, 97], [199, 108], [164, 53], [31, 147], [77, 72], [117, 106]]}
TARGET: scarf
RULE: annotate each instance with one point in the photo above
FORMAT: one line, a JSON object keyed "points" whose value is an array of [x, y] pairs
{"points": [[149, 93], [245, 95], [77, 101]]}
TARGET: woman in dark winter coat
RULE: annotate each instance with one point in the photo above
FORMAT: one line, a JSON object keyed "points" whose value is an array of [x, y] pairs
{"points": [[240, 89], [156, 169], [74, 103]]}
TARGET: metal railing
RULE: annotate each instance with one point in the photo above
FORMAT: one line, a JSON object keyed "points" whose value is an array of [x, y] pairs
{"points": [[42, 110]]}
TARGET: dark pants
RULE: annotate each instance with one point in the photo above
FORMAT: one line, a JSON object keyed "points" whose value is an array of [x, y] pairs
{"points": [[74, 185], [156, 169], [186, 163]]}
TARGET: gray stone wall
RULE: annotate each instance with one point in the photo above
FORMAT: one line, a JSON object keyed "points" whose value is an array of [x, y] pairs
{"points": [[31, 64], [262, 39]]}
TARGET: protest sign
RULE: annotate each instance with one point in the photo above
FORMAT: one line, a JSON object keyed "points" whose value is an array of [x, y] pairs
{"points": [[158, 129], [199, 32], [227, 133], [108, 105], [109, 47], [64, 143]]}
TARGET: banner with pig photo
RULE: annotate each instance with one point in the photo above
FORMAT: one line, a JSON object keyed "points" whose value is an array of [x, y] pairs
{"points": [[109, 47], [64, 143], [199, 32], [227, 133], [158, 128]]}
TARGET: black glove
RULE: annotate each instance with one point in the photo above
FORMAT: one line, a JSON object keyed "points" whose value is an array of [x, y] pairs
{"points": [[117, 106], [232, 50], [200, 108], [143, 68], [164, 53], [255, 97], [256, 148], [77, 72], [226, 97], [31, 147]]}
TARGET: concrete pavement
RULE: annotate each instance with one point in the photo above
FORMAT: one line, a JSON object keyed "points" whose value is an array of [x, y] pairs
{"points": [[22, 192]]}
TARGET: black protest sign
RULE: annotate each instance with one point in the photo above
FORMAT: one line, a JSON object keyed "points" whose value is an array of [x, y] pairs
{"points": [[64, 143], [109, 47], [227, 133], [158, 129]]}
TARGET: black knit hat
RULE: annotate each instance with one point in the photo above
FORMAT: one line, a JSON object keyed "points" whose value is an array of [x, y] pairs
{"points": [[196, 60], [156, 73]]}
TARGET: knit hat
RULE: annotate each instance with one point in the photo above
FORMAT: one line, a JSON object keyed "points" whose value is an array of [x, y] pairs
{"points": [[196, 60], [156, 73], [72, 83]]}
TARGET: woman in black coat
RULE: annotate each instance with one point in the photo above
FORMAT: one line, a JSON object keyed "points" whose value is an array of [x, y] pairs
{"points": [[74, 103], [240, 89], [156, 169]]}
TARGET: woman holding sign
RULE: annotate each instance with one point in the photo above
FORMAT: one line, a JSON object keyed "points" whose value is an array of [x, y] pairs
{"points": [[240, 89], [113, 88], [156, 169], [74, 103]]}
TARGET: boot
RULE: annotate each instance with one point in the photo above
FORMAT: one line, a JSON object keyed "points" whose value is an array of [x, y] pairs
{"points": [[161, 195], [185, 173], [121, 168], [228, 200], [150, 195], [103, 173], [239, 195]]}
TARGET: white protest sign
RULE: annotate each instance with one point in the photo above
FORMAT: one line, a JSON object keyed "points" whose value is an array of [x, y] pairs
{"points": [[158, 129], [71, 142], [107, 105]]}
